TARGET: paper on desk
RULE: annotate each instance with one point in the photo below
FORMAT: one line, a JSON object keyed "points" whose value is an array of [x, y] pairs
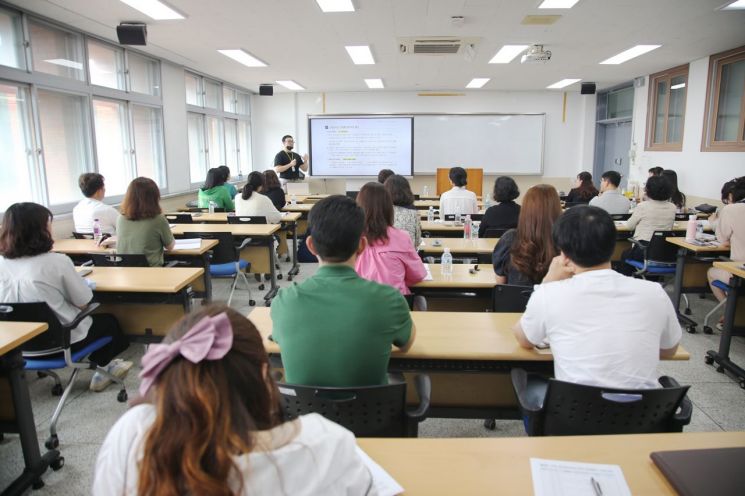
{"points": [[188, 244], [382, 480], [560, 478], [428, 277]]}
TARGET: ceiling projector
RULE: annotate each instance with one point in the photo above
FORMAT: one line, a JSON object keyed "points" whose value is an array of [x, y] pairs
{"points": [[535, 54]]}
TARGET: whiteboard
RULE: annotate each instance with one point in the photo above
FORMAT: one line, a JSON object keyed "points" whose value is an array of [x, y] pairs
{"points": [[497, 143]]}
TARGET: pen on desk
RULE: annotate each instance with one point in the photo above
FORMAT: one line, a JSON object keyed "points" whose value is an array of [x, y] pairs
{"points": [[596, 487]]}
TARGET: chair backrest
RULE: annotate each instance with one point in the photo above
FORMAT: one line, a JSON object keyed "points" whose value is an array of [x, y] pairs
{"points": [[246, 219], [659, 250], [477, 217], [679, 217], [352, 195], [224, 252], [620, 216], [79, 235], [575, 204], [118, 260], [35, 312], [508, 298], [369, 411], [575, 409], [179, 219], [495, 233]]}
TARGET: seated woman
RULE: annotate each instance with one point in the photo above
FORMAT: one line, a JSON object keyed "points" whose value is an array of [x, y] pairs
{"points": [[676, 196], [583, 190], [209, 422], [405, 214], [232, 190], [505, 213], [390, 257], [273, 189], [214, 190], [142, 228], [458, 200], [30, 272], [730, 229], [522, 256], [252, 202]]}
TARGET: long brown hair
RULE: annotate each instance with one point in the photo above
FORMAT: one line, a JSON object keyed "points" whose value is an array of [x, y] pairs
{"points": [[586, 190], [533, 248], [142, 200], [206, 413], [378, 206], [271, 180]]}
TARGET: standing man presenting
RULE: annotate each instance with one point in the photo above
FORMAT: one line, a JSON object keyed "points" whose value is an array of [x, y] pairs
{"points": [[289, 164]]}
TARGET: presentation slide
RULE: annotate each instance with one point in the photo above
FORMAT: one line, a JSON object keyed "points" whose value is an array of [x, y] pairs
{"points": [[361, 146]]}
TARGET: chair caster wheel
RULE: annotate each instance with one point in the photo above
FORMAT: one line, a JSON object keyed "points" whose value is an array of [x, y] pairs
{"points": [[742, 384], [58, 463], [261, 287], [691, 329], [490, 424], [289, 278], [279, 276], [267, 277], [708, 360], [251, 303], [52, 442], [57, 390], [687, 311], [708, 330], [122, 396], [37, 484], [720, 369]]}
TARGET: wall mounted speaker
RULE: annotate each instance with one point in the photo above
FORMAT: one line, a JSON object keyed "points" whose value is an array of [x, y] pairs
{"points": [[130, 33], [266, 90], [588, 89]]}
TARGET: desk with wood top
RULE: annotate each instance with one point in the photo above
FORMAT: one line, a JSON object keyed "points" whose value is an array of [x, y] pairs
{"points": [[502, 465], [734, 321], [425, 204], [147, 301], [465, 290], [303, 209], [261, 254], [468, 356], [459, 247], [16, 413], [78, 249]]}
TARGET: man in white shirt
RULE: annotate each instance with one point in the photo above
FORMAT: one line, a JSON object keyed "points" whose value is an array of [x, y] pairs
{"points": [[605, 329], [458, 200], [610, 199], [92, 207]]}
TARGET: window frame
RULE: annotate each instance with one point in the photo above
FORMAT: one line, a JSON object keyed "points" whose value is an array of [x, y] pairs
{"points": [[652, 101], [711, 109]]}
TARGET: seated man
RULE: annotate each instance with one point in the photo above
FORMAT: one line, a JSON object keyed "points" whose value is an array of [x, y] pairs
{"points": [[605, 329], [611, 200], [92, 207], [335, 328]]}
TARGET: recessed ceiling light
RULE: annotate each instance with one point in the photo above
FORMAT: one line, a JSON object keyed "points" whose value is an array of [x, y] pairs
{"points": [[630, 54], [374, 84], [507, 53], [66, 63], [557, 4], [154, 8], [291, 85], [562, 84], [336, 5], [477, 82], [360, 54], [243, 57], [737, 5], [678, 86]]}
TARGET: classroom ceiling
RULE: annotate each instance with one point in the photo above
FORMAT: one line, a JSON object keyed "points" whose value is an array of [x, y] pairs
{"points": [[301, 43]]}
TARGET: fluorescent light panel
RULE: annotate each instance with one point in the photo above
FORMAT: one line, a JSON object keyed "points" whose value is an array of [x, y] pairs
{"points": [[336, 5], [562, 84], [360, 54], [66, 63], [477, 82], [678, 86], [629, 54], [243, 57], [154, 8], [291, 85], [507, 53], [738, 5], [557, 4], [374, 84]]}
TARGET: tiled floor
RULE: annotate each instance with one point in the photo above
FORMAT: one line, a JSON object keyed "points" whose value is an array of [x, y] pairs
{"points": [[719, 404]]}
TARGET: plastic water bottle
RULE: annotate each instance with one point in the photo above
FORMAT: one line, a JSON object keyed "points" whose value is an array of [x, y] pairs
{"points": [[293, 199], [467, 228], [691, 228], [96, 231], [699, 229], [487, 201], [446, 263], [425, 191], [632, 204], [474, 231], [430, 213], [212, 206]]}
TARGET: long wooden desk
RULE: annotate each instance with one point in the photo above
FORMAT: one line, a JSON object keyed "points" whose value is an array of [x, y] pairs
{"points": [[303, 209], [147, 301], [458, 246], [261, 255], [734, 321], [502, 465], [16, 413], [461, 291], [425, 204], [468, 356]]}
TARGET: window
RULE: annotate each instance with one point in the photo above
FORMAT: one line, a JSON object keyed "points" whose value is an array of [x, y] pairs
{"points": [[112, 144], [16, 145], [212, 94], [666, 109], [193, 89], [243, 104], [197, 156], [11, 40], [244, 147], [147, 125], [215, 142], [56, 52], [725, 104], [106, 65], [231, 144], [228, 99], [144, 74], [621, 103]]}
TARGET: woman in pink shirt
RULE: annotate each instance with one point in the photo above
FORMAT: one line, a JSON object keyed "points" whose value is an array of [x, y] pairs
{"points": [[390, 257]]}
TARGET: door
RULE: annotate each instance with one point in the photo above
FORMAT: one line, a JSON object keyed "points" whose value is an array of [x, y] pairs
{"points": [[614, 148]]}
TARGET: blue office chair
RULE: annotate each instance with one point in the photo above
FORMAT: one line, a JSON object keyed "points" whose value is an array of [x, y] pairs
{"points": [[51, 351], [724, 287]]}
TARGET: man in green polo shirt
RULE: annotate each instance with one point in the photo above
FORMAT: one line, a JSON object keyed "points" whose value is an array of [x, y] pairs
{"points": [[335, 328]]}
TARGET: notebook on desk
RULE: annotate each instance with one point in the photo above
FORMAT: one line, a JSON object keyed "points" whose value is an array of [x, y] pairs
{"points": [[703, 471]]}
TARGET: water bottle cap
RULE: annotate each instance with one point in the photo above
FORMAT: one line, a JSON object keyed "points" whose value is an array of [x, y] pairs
{"points": [[691, 217], [447, 250]]}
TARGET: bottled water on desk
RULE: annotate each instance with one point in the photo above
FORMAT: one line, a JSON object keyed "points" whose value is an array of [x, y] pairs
{"points": [[467, 228], [632, 204], [212, 206], [431, 214], [425, 191], [96, 230], [293, 199], [487, 201], [446, 263], [474, 231]]}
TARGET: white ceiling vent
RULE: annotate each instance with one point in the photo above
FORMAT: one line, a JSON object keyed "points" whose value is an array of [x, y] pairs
{"points": [[435, 45]]}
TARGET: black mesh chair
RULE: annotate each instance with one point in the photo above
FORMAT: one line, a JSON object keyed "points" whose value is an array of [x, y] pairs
{"points": [[51, 351], [179, 219], [509, 298], [682, 217], [118, 260], [79, 235], [575, 204], [246, 219], [620, 217], [495, 233], [568, 409], [369, 411]]}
